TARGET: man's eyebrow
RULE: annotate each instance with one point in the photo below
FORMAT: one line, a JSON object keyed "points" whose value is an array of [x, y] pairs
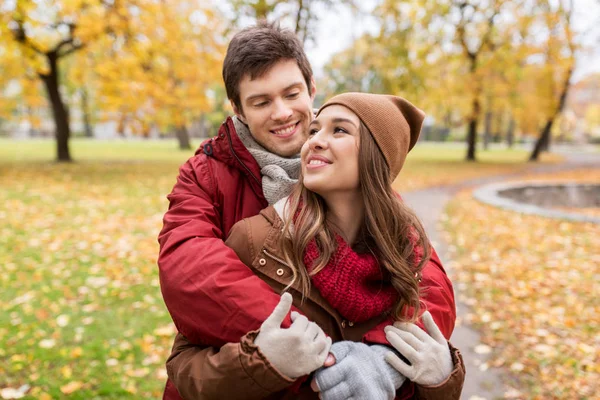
{"points": [[259, 95]]}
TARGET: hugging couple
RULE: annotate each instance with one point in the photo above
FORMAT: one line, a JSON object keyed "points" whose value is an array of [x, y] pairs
{"points": [[291, 268]]}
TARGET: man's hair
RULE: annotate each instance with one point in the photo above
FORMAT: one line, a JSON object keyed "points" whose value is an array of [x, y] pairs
{"points": [[255, 50]]}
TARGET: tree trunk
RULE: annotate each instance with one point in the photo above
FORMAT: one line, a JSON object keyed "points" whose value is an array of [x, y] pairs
{"points": [[510, 133], [261, 9], [203, 128], [59, 110], [299, 16], [145, 127], [472, 130], [498, 131], [85, 108], [183, 137], [487, 134], [543, 141], [547, 142], [121, 125]]}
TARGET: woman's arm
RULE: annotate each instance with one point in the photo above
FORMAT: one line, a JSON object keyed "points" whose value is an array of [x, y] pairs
{"points": [[264, 362]]}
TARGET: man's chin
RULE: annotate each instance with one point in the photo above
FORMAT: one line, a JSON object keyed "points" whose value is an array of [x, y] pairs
{"points": [[286, 151]]}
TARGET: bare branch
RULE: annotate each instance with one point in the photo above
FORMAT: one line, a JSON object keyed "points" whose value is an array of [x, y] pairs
{"points": [[71, 50], [21, 37]]}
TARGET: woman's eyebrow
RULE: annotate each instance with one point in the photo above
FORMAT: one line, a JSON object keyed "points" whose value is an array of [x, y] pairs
{"points": [[338, 120]]}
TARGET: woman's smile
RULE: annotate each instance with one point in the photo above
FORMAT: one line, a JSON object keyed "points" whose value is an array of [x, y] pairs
{"points": [[316, 161]]}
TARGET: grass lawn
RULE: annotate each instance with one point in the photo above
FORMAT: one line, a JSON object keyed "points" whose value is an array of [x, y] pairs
{"points": [[82, 314], [532, 285], [434, 165]]}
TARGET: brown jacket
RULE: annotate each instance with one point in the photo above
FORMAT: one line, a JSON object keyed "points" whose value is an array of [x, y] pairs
{"points": [[240, 370]]}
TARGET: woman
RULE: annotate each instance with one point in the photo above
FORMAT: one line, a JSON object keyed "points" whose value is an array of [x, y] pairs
{"points": [[350, 253]]}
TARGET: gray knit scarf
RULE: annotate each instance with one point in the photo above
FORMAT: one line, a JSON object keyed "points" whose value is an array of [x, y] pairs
{"points": [[279, 174]]}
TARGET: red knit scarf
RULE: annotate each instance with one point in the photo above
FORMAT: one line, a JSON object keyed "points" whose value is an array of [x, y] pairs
{"points": [[352, 283]]}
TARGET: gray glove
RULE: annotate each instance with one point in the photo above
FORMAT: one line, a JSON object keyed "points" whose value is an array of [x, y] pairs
{"points": [[430, 358], [359, 372], [296, 351]]}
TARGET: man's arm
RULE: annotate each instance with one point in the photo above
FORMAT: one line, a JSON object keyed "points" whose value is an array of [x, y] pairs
{"points": [[204, 284], [235, 371], [438, 295]]}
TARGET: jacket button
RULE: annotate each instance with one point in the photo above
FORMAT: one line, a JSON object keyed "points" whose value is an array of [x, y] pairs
{"points": [[262, 262], [344, 324], [351, 323], [280, 272]]}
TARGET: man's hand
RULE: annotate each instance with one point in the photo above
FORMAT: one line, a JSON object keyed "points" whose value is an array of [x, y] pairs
{"points": [[359, 371], [296, 351], [429, 356]]}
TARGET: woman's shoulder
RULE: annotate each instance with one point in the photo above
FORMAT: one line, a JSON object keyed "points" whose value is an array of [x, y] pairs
{"points": [[250, 234]]}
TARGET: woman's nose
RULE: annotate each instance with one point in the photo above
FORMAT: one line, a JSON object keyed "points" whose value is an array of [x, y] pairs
{"points": [[318, 141]]}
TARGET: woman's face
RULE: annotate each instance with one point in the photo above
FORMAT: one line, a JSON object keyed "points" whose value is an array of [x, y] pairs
{"points": [[330, 155]]}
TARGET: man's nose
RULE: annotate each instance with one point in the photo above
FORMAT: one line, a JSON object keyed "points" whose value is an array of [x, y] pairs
{"points": [[282, 111]]}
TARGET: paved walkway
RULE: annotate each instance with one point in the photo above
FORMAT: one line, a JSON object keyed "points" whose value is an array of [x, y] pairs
{"points": [[482, 382]]}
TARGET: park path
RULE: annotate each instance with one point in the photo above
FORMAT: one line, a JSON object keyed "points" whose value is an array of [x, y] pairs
{"points": [[482, 382]]}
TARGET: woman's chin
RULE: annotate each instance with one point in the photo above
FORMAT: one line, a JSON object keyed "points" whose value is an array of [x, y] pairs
{"points": [[317, 187]]}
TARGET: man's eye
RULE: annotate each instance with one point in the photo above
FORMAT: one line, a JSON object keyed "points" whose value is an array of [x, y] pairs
{"points": [[261, 104], [293, 95]]}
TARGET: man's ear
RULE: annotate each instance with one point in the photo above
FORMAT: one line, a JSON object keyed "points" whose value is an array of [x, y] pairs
{"points": [[313, 87], [238, 112]]}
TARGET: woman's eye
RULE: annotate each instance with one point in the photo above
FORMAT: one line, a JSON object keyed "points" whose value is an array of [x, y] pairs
{"points": [[340, 130], [312, 132]]}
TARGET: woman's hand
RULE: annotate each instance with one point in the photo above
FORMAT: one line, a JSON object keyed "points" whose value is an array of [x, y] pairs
{"points": [[296, 351], [358, 371], [429, 354]]}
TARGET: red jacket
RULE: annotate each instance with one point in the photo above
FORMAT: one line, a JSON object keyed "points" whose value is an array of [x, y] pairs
{"points": [[203, 280]]}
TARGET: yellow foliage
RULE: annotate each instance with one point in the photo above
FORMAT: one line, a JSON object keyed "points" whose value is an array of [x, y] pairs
{"points": [[155, 66], [162, 76], [592, 117]]}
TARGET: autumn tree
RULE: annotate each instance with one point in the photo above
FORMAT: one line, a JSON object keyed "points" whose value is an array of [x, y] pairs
{"points": [[301, 13], [161, 78], [48, 32], [556, 71], [10, 71]]}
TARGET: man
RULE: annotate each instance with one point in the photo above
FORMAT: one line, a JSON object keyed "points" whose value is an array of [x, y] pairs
{"points": [[252, 162]]}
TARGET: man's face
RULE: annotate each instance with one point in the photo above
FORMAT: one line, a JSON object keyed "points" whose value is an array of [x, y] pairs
{"points": [[277, 108]]}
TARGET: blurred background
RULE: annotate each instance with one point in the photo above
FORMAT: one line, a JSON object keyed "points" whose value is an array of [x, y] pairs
{"points": [[102, 100]]}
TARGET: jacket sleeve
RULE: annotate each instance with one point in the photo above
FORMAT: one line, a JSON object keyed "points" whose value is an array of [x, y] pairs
{"points": [[235, 371], [437, 296], [212, 296]]}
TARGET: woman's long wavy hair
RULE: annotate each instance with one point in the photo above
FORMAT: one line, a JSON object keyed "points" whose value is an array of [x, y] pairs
{"points": [[390, 230]]}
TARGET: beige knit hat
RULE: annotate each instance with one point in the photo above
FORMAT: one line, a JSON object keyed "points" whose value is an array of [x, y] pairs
{"points": [[393, 121]]}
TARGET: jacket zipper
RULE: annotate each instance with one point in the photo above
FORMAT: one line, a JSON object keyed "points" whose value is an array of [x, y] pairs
{"points": [[276, 258], [236, 156]]}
